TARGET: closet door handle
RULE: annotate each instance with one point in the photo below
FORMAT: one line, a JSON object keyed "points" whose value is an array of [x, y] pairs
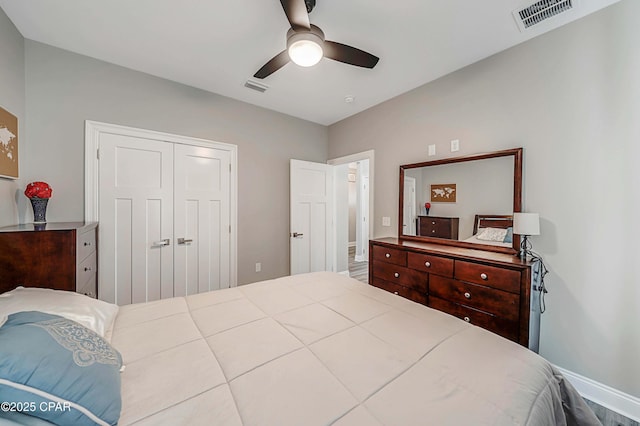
{"points": [[183, 241], [162, 243]]}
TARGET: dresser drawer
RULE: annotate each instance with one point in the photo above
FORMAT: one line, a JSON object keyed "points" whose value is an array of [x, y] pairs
{"points": [[437, 228], [86, 269], [405, 292], [429, 263], [86, 244], [497, 302], [400, 275], [89, 288], [501, 326], [389, 255], [492, 276]]}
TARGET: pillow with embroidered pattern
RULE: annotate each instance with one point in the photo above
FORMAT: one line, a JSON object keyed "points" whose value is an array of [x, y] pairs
{"points": [[58, 370]]}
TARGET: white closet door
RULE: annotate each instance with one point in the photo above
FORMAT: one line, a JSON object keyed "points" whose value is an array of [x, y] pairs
{"points": [[202, 219], [136, 219]]}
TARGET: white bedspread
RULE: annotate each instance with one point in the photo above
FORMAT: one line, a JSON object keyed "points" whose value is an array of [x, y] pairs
{"points": [[321, 348]]}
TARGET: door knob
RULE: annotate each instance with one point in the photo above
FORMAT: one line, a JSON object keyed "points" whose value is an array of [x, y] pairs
{"points": [[184, 241], [296, 235]]}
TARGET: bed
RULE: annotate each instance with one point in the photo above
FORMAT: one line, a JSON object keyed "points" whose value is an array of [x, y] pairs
{"points": [[494, 230], [318, 349]]}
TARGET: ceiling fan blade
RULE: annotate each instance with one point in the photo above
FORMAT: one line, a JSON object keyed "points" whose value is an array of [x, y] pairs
{"points": [[296, 12], [349, 55], [277, 62]]}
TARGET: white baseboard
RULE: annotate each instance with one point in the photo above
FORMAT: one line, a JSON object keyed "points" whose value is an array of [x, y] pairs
{"points": [[608, 397]]}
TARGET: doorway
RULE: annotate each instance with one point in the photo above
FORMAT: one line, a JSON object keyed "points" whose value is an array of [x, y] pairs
{"points": [[353, 179]]}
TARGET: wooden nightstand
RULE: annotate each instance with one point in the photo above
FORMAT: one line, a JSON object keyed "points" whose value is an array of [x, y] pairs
{"points": [[438, 227], [57, 255]]}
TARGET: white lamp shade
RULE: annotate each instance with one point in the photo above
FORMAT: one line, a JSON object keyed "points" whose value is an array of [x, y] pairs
{"points": [[526, 223]]}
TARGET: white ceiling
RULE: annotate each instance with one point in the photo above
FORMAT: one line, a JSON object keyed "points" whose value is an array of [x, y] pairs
{"points": [[218, 45]]}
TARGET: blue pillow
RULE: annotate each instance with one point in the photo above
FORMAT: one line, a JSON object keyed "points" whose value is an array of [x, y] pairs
{"points": [[58, 370], [509, 237]]}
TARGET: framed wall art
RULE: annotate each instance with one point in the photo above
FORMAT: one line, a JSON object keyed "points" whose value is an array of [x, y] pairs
{"points": [[443, 193], [8, 144]]}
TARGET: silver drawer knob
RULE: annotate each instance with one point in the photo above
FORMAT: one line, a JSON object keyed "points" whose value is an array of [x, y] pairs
{"points": [[433, 232], [87, 268], [433, 223], [87, 244], [90, 294], [387, 255], [396, 275], [395, 292], [467, 295], [467, 319], [484, 276], [427, 264]]}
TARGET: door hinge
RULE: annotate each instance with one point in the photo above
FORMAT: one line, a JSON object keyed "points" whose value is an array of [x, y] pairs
{"points": [[98, 154], [229, 228], [229, 168]]}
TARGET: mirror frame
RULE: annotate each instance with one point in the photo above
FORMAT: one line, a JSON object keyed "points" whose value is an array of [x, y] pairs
{"points": [[516, 153]]}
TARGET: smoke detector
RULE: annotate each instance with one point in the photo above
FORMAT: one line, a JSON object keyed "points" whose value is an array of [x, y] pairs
{"points": [[538, 12]]}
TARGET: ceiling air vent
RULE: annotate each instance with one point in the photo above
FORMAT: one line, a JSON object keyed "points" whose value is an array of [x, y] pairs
{"points": [[259, 87], [541, 11]]}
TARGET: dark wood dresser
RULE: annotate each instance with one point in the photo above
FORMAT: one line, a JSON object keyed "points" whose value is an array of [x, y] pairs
{"points": [[60, 256], [490, 290], [438, 227]]}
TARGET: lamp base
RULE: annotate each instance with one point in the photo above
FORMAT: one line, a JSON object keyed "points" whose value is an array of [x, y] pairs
{"points": [[525, 248]]}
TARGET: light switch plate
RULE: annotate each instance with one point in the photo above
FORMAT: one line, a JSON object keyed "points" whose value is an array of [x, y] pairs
{"points": [[386, 221], [432, 150], [455, 145]]}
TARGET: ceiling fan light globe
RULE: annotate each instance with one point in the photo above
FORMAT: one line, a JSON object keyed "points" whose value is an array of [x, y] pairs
{"points": [[305, 53]]}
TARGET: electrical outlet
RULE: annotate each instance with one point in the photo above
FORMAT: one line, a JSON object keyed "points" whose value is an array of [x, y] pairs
{"points": [[455, 145], [258, 267], [386, 221], [432, 150]]}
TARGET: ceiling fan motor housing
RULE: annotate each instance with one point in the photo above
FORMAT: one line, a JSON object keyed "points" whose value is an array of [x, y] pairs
{"points": [[314, 34]]}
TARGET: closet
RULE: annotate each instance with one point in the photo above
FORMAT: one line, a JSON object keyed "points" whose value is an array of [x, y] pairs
{"points": [[165, 205]]}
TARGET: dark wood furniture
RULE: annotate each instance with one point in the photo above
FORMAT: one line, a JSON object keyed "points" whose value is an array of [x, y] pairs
{"points": [[60, 256], [492, 221], [488, 289], [438, 227]]}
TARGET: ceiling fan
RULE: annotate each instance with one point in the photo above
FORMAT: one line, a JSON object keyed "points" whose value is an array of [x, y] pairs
{"points": [[306, 44]]}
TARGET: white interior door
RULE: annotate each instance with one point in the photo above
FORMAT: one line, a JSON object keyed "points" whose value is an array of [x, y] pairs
{"points": [[311, 202], [136, 219], [202, 219], [409, 208]]}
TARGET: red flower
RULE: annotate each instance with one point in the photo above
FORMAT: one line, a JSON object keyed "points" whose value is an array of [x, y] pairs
{"points": [[38, 190], [427, 205]]}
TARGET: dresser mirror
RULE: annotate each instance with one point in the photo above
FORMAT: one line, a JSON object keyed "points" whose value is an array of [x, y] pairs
{"points": [[470, 199]]}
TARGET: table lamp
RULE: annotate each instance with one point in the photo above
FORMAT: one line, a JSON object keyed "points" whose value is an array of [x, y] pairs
{"points": [[526, 224]]}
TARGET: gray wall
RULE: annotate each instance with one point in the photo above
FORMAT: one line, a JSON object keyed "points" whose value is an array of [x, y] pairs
{"points": [[571, 98], [64, 89], [12, 98]]}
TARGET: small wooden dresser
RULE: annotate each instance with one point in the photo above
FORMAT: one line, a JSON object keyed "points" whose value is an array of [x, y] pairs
{"points": [[490, 290], [61, 256], [438, 227]]}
